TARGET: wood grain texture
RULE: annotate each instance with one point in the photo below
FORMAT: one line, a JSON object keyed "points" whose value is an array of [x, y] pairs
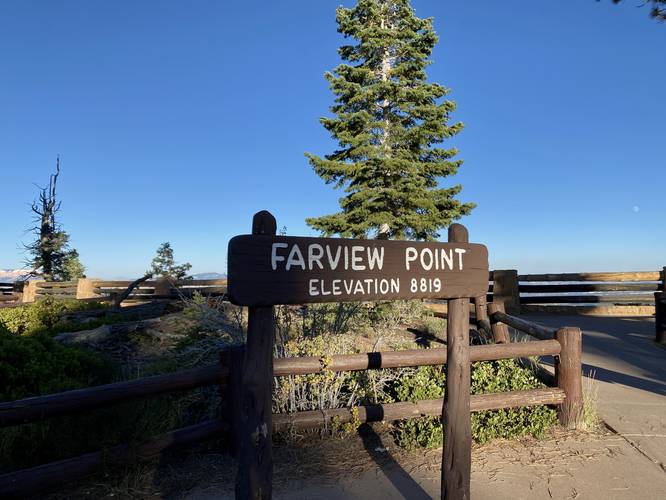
{"points": [[534, 329], [457, 451], [499, 329], [324, 419], [568, 373], [255, 464], [253, 281]]}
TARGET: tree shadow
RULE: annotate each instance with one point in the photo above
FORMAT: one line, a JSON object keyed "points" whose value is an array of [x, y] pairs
{"points": [[393, 471]]}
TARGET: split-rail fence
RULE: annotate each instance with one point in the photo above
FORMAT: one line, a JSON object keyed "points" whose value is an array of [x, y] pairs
{"points": [[566, 394]]}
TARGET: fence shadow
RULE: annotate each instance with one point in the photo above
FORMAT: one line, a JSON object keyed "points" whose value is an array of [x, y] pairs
{"points": [[393, 471]]}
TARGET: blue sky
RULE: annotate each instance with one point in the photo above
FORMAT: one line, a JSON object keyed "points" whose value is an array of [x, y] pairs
{"points": [[176, 121]]}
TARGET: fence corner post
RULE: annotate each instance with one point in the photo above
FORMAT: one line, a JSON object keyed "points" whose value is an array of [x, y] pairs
{"points": [[568, 374], [660, 317], [85, 288], [29, 291], [505, 289]]}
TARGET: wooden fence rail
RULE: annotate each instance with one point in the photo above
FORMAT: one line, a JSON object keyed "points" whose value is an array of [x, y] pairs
{"points": [[564, 344], [609, 293]]}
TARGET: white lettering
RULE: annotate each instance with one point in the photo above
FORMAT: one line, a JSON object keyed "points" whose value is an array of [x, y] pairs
{"points": [[312, 257], [426, 251], [448, 258], [275, 258], [357, 259], [295, 258], [333, 262], [313, 288], [460, 252], [395, 285], [336, 287], [384, 286], [349, 285], [376, 258], [410, 256]]}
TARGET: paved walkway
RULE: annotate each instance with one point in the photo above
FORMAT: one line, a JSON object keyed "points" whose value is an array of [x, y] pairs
{"points": [[629, 372]]}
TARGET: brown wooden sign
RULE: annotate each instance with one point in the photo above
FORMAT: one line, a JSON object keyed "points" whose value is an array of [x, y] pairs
{"points": [[266, 270]]}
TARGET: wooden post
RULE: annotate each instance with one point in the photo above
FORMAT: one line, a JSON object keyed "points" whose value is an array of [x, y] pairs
{"points": [[660, 317], [505, 289], [662, 285], [481, 313], [457, 453], [568, 373], [255, 465], [30, 291], [500, 330], [231, 394]]}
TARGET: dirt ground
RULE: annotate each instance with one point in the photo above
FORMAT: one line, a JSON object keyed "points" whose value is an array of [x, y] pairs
{"points": [[369, 465]]}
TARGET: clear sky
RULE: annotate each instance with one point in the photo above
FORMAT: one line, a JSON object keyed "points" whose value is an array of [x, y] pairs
{"points": [[176, 121]]}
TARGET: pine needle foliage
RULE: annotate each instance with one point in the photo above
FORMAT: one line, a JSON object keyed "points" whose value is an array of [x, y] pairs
{"points": [[389, 123]]}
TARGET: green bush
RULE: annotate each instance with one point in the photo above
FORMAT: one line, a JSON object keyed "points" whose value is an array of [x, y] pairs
{"points": [[45, 315], [33, 365], [36, 364], [487, 377]]}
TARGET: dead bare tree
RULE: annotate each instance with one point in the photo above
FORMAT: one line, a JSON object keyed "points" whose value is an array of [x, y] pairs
{"points": [[50, 255]]}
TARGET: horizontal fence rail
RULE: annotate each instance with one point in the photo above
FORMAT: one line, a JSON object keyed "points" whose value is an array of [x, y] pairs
{"points": [[414, 409], [608, 293], [79, 400]]}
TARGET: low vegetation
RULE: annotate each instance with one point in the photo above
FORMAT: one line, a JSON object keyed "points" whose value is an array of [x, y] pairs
{"points": [[33, 363]]}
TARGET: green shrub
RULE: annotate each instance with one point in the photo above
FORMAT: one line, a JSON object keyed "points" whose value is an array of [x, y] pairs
{"points": [[487, 377], [36, 364], [33, 365], [45, 315]]}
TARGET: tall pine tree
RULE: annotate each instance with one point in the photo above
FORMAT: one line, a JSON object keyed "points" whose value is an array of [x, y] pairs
{"points": [[389, 121]]}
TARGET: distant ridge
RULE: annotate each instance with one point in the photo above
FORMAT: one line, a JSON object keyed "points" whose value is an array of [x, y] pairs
{"points": [[12, 275], [209, 276]]}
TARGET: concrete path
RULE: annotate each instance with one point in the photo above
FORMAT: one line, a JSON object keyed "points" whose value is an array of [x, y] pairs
{"points": [[629, 374]]}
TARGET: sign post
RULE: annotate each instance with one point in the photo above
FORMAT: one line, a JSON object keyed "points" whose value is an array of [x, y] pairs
{"points": [[255, 460], [265, 270], [457, 452]]}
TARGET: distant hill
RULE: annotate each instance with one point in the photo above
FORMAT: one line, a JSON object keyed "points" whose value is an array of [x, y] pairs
{"points": [[209, 276], [11, 275]]}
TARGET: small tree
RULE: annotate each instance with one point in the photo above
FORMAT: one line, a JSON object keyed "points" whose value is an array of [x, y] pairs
{"points": [[50, 255], [72, 268], [389, 121], [163, 264]]}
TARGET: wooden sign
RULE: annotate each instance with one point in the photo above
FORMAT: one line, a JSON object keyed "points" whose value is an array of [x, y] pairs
{"points": [[266, 270]]}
